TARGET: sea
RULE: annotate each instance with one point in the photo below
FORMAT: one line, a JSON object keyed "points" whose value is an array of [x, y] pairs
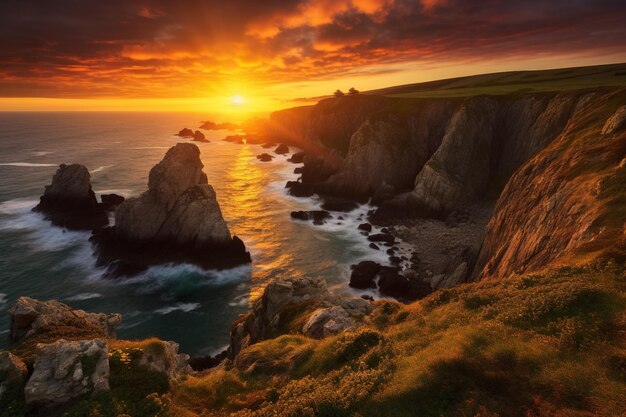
{"points": [[181, 302]]}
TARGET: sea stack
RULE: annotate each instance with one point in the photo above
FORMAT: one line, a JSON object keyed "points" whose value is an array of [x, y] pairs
{"points": [[69, 200], [178, 219]]}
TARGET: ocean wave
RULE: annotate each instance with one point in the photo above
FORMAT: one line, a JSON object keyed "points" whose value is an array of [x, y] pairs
{"points": [[184, 307], [26, 164], [17, 206], [3, 299], [84, 296], [42, 153], [124, 192], [40, 234], [184, 279], [102, 168]]}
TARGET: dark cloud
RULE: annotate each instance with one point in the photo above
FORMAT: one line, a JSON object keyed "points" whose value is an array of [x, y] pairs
{"points": [[145, 47]]}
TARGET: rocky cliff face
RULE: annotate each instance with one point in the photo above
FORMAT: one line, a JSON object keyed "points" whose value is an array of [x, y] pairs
{"points": [[555, 155], [567, 202]]}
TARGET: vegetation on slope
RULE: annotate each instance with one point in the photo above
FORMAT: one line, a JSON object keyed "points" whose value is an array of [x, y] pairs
{"points": [[533, 345], [562, 79]]}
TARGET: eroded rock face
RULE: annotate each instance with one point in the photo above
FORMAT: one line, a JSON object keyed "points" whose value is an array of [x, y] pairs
{"points": [[65, 370], [163, 357], [30, 316], [326, 322], [12, 373], [616, 122], [265, 318], [560, 201], [69, 200], [177, 220]]}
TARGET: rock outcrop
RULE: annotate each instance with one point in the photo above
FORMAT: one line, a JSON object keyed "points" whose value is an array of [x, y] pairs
{"points": [[288, 303], [66, 370], [13, 373], [69, 200], [185, 133], [177, 220], [199, 137], [163, 357], [30, 317]]}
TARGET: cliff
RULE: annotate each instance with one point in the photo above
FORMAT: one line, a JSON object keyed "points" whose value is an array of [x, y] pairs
{"points": [[551, 160]]}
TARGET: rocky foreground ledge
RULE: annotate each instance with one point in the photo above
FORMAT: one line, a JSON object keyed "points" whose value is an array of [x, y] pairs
{"points": [[59, 356], [178, 219]]}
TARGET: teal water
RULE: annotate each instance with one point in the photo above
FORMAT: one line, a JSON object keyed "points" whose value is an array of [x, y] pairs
{"points": [[175, 302]]}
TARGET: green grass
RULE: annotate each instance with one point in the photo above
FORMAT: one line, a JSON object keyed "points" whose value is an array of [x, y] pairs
{"points": [[513, 82], [533, 345]]}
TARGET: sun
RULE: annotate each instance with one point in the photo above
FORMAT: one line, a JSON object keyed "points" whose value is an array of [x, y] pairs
{"points": [[237, 100]]}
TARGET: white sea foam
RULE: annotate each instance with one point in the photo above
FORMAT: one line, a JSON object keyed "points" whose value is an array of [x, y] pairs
{"points": [[41, 153], [26, 164], [102, 168], [124, 192], [84, 296], [3, 299], [184, 307], [17, 206]]}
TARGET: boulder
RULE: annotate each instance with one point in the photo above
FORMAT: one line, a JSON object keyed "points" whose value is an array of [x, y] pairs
{"points": [[30, 317], [265, 157], [326, 322], [110, 201], [298, 189], [363, 274], [13, 374], [65, 370], [366, 227], [69, 200], [199, 137], [296, 158], [282, 149], [185, 133], [393, 284], [297, 170], [319, 217], [178, 219], [163, 357], [382, 237], [374, 246]]}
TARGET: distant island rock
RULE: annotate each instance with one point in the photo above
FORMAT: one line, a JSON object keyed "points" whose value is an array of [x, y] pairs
{"points": [[178, 219], [69, 201], [199, 137], [185, 133], [209, 125]]}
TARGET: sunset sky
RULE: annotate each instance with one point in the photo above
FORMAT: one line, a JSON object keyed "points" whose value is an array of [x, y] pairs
{"points": [[194, 55]]}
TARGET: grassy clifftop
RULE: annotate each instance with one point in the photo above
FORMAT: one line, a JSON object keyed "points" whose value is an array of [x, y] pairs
{"points": [[562, 79], [533, 345]]}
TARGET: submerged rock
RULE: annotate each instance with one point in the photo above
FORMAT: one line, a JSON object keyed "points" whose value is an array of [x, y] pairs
{"points": [[177, 220], [265, 157], [66, 370], [69, 200], [298, 189], [382, 237], [282, 149], [30, 317], [319, 217]]}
